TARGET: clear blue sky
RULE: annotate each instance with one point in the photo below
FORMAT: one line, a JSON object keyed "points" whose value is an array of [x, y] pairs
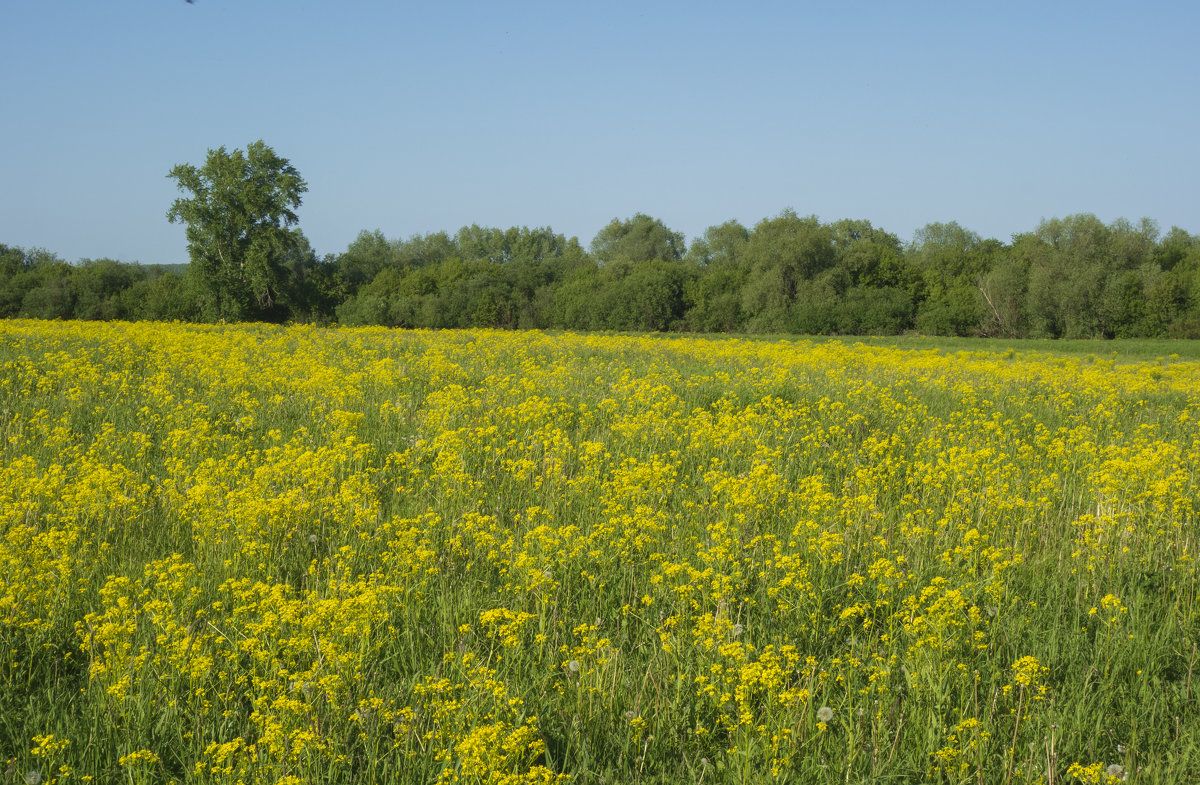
{"points": [[413, 118]]}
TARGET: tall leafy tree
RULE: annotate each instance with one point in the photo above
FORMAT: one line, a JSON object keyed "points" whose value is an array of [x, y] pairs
{"points": [[1071, 263], [367, 255], [783, 253], [1174, 247], [714, 295], [238, 208], [1004, 290], [952, 260], [719, 246], [638, 239], [22, 272]]}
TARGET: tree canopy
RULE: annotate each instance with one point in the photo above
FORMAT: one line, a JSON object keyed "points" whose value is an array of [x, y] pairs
{"points": [[238, 210]]}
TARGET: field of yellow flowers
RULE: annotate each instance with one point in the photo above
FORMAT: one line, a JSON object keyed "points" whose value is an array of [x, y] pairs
{"points": [[255, 554]]}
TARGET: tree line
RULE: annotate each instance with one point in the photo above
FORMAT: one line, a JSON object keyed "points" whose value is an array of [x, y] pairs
{"points": [[1072, 277]]}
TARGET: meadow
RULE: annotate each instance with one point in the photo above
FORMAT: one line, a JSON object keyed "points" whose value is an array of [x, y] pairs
{"points": [[259, 554]]}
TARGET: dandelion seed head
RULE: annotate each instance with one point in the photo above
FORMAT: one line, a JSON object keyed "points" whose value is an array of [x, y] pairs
{"points": [[737, 630], [33, 777], [312, 539], [573, 666], [824, 714], [1116, 770]]}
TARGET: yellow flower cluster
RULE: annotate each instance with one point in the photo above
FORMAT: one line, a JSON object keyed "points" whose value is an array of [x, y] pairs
{"points": [[283, 554]]}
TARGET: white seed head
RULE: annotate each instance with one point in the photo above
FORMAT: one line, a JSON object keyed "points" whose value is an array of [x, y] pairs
{"points": [[824, 714]]}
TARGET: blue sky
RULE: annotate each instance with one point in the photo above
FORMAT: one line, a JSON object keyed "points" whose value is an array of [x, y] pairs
{"points": [[413, 118]]}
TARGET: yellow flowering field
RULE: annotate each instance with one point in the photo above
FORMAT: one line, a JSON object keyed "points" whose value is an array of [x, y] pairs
{"points": [[256, 554]]}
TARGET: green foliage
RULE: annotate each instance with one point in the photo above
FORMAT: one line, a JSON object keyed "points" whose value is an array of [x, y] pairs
{"points": [[238, 210], [1003, 290], [1070, 277], [638, 239], [714, 300], [98, 285], [1071, 262], [165, 297], [874, 311], [1174, 248], [720, 246], [649, 298], [367, 256], [951, 261], [23, 272], [782, 252]]}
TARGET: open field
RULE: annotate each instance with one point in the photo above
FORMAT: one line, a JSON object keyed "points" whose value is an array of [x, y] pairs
{"points": [[290, 555]]}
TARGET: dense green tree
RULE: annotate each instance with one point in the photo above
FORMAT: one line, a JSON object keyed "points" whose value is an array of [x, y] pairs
{"points": [[1132, 246], [529, 260], [783, 252], [24, 270], [714, 300], [426, 250], [99, 285], [713, 296], [952, 261], [1123, 307], [1004, 291], [873, 257], [52, 299], [720, 246], [579, 301], [13, 261], [649, 298], [637, 239], [312, 289], [365, 257], [165, 296], [515, 245], [474, 294], [396, 297], [1179, 294], [946, 248], [238, 210], [481, 276], [866, 310], [1174, 248], [1071, 262], [816, 309]]}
